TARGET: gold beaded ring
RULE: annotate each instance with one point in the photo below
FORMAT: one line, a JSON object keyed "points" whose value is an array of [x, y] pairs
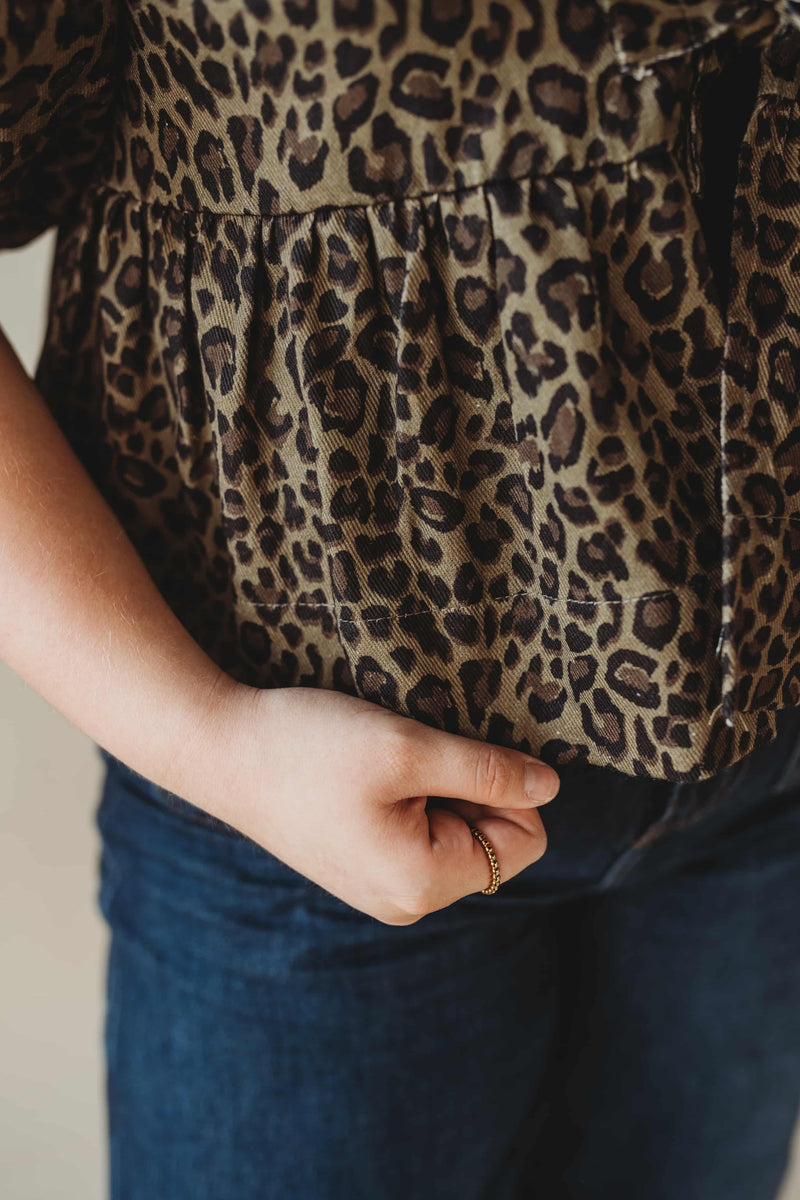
{"points": [[489, 848]]}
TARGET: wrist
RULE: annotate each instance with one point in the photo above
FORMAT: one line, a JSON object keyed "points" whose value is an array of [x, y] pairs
{"points": [[202, 767]]}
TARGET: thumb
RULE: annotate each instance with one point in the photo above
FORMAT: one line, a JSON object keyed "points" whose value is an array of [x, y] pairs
{"points": [[448, 764]]}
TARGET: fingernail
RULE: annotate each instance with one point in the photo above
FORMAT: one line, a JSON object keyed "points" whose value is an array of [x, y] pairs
{"points": [[541, 781]]}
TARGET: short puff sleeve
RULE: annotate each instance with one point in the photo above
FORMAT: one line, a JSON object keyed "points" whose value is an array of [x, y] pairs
{"points": [[57, 80]]}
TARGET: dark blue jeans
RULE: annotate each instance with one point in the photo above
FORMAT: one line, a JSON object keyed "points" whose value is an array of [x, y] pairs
{"points": [[621, 1021]]}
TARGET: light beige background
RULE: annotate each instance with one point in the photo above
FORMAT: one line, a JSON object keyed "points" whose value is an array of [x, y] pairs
{"points": [[52, 952], [52, 1117]]}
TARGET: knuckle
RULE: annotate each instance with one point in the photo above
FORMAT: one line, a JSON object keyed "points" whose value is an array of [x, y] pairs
{"points": [[492, 773], [540, 841], [401, 918], [412, 903], [417, 907], [400, 754]]}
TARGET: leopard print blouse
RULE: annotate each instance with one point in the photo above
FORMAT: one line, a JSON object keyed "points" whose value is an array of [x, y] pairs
{"points": [[443, 352]]}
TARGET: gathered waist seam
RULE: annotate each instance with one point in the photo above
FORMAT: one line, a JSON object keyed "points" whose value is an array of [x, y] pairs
{"points": [[578, 174]]}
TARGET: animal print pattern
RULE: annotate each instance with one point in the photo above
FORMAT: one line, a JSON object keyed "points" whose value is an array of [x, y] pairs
{"points": [[760, 633], [391, 334]]}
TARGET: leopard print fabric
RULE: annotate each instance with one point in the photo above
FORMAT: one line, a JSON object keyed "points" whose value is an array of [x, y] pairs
{"points": [[391, 333]]}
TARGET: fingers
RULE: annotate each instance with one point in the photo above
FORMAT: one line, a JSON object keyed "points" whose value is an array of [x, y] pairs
{"points": [[494, 788], [459, 862], [474, 814], [447, 764]]}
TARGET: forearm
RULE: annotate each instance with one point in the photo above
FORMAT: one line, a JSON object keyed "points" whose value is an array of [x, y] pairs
{"points": [[81, 620]]}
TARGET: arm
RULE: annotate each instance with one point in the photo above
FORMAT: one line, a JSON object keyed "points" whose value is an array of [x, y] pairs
{"points": [[335, 786], [81, 620]]}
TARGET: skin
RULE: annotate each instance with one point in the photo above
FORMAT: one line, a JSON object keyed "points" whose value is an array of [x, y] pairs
{"points": [[371, 805]]}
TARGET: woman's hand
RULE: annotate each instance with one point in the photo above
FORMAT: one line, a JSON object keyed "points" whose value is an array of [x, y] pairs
{"points": [[338, 788], [331, 784]]}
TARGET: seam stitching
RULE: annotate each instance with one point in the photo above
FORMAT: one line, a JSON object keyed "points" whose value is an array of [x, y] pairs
{"points": [[435, 612], [581, 173]]}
